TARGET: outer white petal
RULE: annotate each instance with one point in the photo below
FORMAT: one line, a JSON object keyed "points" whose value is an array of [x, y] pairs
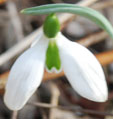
{"points": [[82, 70], [26, 75], [37, 38]]}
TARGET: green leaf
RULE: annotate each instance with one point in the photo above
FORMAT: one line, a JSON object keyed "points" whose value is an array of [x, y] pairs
{"points": [[52, 56], [89, 13]]}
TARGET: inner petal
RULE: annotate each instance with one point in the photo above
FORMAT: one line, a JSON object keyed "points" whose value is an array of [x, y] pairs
{"points": [[53, 62]]}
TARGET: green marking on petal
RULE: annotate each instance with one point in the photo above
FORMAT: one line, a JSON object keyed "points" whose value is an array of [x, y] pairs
{"points": [[52, 56]]}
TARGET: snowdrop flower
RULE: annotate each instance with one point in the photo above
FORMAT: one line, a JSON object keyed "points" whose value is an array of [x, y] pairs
{"points": [[55, 52]]}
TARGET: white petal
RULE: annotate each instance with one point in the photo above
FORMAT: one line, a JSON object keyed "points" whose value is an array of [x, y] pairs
{"points": [[82, 70], [53, 70], [37, 38], [26, 75]]}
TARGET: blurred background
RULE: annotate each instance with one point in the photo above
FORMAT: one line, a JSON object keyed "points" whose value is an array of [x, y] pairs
{"points": [[55, 98]]}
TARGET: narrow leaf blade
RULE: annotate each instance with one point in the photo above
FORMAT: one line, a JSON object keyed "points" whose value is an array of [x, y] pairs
{"points": [[89, 13]]}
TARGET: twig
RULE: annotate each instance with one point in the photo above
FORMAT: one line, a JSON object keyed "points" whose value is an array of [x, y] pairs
{"points": [[18, 48], [57, 1], [25, 43], [87, 3], [13, 14], [14, 115], [3, 80], [54, 99], [66, 18], [102, 5], [72, 108], [105, 58], [93, 38], [2, 1], [3, 14], [3, 18]]}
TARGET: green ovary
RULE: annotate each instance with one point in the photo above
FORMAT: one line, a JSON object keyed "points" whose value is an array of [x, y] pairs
{"points": [[52, 56], [51, 26]]}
